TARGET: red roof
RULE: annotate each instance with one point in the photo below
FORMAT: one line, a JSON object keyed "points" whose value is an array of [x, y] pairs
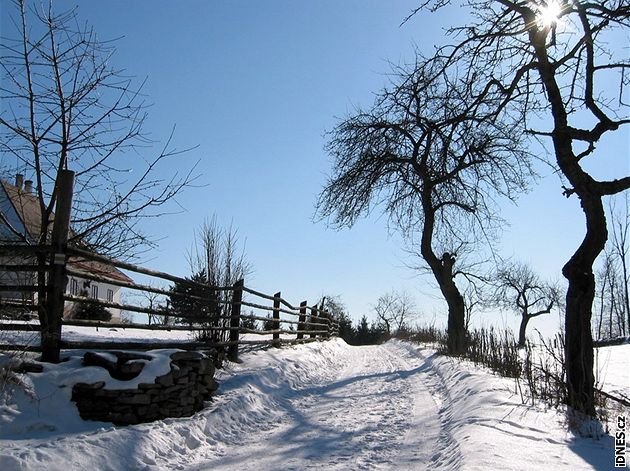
{"points": [[98, 268], [28, 210]]}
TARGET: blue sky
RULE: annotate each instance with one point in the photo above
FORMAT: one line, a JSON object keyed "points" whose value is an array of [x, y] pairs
{"points": [[255, 85]]}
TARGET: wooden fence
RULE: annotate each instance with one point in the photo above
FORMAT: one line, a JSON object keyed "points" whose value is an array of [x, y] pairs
{"points": [[222, 325], [35, 279]]}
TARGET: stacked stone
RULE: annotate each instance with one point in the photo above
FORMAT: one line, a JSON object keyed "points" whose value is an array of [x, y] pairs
{"points": [[179, 393]]}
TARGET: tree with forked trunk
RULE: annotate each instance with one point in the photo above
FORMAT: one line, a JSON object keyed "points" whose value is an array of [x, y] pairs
{"points": [[558, 64], [395, 311], [434, 157], [518, 288]]}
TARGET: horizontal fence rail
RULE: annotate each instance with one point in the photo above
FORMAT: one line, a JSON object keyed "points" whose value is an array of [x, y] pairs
{"points": [[215, 317]]}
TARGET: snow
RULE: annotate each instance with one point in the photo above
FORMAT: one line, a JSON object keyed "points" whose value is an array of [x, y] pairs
{"points": [[118, 334], [80, 333], [613, 369], [489, 427], [320, 405]]}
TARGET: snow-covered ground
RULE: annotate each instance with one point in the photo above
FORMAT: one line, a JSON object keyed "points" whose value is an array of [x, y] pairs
{"points": [[321, 405], [76, 333], [117, 334], [613, 369]]}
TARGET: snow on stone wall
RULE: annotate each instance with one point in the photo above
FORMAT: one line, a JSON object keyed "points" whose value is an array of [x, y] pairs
{"points": [[179, 393]]}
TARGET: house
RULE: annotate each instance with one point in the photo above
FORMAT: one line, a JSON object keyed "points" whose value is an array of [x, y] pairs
{"points": [[20, 222]]}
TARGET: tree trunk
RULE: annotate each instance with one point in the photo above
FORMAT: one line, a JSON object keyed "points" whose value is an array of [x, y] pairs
{"points": [[442, 270], [579, 269], [47, 339], [600, 323], [626, 291], [580, 296], [579, 344], [611, 307], [456, 342], [521, 331]]}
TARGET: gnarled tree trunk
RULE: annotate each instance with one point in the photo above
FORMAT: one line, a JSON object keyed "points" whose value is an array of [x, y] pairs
{"points": [[456, 341], [443, 272], [579, 303], [456, 328], [522, 338]]}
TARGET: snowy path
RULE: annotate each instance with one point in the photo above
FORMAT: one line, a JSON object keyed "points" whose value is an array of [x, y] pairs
{"points": [[371, 413], [321, 405]]}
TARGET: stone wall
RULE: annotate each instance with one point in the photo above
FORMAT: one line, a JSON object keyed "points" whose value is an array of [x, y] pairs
{"points": [[179, 393]]}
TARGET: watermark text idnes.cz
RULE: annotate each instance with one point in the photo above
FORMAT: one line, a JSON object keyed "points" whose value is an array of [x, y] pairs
{"points": [[620, 442]]}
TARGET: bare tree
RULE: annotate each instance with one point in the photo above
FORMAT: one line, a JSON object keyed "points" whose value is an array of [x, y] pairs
{"points": [[473, 299], [611, 300], [602, 280], [157, 302], [428, 156], [333, 304], [385, 311], [556, 63], [518, 288], [395, 311], [66, 107], [620, 222], [218, 254]]}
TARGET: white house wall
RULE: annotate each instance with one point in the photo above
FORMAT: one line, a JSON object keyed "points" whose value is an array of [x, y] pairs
{"points": [[28, 279], [102, 294]]}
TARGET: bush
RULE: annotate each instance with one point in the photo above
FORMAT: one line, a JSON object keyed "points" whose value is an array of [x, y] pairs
{"points": [[269, 323], [538, 369], [497, 351], [544, 371], [17, 313], [91, 311], [427, 334], [249, 323]]}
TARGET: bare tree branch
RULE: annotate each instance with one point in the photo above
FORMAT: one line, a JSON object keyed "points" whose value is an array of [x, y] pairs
{"points": [[65, 107]]}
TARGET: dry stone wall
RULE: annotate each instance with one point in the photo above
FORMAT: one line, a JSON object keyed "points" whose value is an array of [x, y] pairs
{"points": [[178, 393]]}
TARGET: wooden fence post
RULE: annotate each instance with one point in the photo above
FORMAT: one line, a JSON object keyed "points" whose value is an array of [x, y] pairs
{"points": [[57, 279], [316, 320], [302, 320], [235, 319], [329, 322], [276, 319]]}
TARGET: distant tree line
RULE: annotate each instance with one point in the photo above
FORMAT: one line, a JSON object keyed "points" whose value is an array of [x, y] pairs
{"points": [[393, 314], [364, 333]]}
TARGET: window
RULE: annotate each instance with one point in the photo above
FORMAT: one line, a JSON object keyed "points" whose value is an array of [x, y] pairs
{"points": [[74, 287], [110, 295], [95, 291]]}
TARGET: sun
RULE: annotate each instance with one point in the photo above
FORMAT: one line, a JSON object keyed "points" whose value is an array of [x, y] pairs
{"points": [[549, 13]]}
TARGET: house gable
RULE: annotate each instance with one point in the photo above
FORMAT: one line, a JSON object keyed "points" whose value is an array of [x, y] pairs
{"points": [[12, 223], [21, 214]]}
